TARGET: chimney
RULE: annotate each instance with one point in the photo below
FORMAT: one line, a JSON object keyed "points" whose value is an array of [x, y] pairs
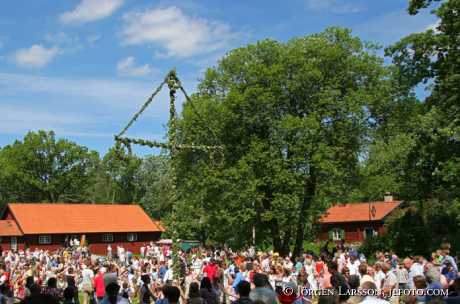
{"points": [[387, 197]]}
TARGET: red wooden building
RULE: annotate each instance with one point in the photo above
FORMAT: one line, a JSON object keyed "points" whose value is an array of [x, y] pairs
{"points": [[354, 222], [47, 226]]}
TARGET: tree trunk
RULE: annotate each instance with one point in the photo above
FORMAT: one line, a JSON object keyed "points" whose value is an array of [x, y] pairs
{"points": [[286, 241], [309, 192], [274, 228]]}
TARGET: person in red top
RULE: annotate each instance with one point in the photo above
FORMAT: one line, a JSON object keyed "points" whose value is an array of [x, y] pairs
{"points": [[99, 285], [211, 270]]}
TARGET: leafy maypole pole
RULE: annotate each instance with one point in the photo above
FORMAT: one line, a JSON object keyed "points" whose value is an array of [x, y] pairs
{"points": [[174, 147], [178, 263]]}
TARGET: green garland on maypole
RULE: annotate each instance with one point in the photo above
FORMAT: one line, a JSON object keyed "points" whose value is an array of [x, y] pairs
{"points": [[121, 142], [173, 85]]}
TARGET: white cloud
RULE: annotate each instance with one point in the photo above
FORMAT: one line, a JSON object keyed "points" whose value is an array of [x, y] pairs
{"points": [[127, 67], [19, 120], [90, 10], [112, 95], [334, 6], [178, 34], [65, 42], [93, 38], [36, 56]]}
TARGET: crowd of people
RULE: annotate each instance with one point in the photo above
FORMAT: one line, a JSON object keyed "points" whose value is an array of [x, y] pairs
{"points": [[220, 276]]}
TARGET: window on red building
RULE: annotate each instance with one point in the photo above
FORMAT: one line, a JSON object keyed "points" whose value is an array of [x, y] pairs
{"points": [[44, 239], [132, 237], [107, 237]]}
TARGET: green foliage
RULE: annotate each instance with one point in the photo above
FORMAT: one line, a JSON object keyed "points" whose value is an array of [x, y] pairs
{"points": [[373, 244], [422, 227], [432, 57], [275, 134], [420, 159], [43, 168], [311, 247], [292, 119], [154, 178], [123, 175]]}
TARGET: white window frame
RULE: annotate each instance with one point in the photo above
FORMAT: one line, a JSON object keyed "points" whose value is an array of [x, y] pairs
{"points": [[107, 237], [131, 236], [14, 243], [336, 234], [45, 239], [374, 232]]}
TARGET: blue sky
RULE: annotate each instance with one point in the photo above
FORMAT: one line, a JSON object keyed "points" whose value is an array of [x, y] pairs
{"points": [[83, 67]]}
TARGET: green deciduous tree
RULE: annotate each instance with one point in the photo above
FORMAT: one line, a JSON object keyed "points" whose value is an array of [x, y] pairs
{"points": [[426, 162], [293, 118], [122, 175], [433, 58], [154, 178], [43, 168]]}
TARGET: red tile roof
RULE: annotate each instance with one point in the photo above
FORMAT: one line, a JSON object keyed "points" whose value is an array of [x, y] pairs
{"points": [[9, 228], [81, 218], [359, 212]]}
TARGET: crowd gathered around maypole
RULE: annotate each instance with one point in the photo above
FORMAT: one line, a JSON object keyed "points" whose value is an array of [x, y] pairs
{"points": [[337, 274]]}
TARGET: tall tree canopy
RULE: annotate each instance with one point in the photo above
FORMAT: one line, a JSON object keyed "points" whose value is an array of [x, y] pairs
{"points": [[43, 168], [421, 160], [433, 58], [293, 118]]}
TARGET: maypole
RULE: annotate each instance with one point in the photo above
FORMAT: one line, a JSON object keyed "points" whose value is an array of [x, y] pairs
{"points": [[173, 145]]}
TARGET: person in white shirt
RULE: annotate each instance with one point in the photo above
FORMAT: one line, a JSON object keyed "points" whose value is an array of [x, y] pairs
{"points": [[379, 276], [266, 264], [142, 251], [353, 265], [342, 260], [390, 284], [109, 251], [310, 269], [369, 290], [414, 269], [168, 277], [87, 276]]}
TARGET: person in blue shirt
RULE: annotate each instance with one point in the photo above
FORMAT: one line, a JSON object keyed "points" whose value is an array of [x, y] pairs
{"points": [[445, 253], [449, 272], [162, 270], [238, 278]]}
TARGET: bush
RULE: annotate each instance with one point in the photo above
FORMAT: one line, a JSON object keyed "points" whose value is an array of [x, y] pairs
{"points": [[373, 244], [311, 247]]}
